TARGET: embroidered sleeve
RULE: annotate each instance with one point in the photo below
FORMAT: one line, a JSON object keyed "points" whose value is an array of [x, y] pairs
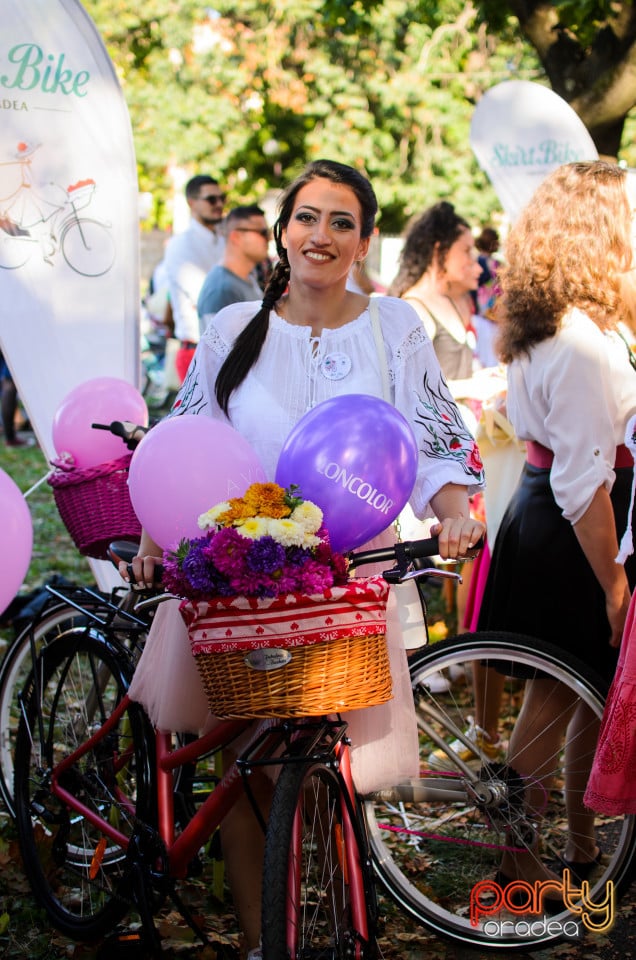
{"points": [[448, 451], [444, 434], [197, 391]]}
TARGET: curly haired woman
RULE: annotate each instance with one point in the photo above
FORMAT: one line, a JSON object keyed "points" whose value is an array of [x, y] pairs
{"points": [[571, 391]]}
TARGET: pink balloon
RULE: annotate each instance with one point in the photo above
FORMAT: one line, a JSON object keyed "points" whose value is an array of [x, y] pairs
{"points": [[184, 466], [101, 400], [355, 456], [17, 539]]}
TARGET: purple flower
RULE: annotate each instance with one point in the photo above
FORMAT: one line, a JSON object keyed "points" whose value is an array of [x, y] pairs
{"points": [[314, 578], [200, 575], [266, 556], [228, 551], [254, 584], [173, 579], [297, 556]]}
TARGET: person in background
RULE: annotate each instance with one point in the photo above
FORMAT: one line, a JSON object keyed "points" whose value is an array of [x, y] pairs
{"points": [[488, 290], [310, 340], [438, 269], [234, 278], [437, 274], [487, 244], [567, 285], [9, 406], [189, 257]]}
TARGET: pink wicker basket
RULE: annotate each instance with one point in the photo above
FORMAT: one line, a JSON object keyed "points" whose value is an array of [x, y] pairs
{"points": [[95, 506]]}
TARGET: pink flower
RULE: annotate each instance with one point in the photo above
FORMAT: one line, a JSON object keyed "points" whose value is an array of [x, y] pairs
{"points": [[474, 460]]}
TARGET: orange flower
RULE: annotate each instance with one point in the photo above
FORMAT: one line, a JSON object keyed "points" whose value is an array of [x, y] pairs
{"points": [[267, 500]]}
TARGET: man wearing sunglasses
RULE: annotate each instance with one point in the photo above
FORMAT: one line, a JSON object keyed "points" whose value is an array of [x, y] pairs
{"points": [[234, 278], [188, 259]]}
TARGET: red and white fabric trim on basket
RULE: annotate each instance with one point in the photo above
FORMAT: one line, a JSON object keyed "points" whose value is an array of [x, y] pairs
{"points": [[227, 624]]}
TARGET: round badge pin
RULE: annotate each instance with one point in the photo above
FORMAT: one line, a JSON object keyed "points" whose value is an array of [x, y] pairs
{"points": [[335, 366]]}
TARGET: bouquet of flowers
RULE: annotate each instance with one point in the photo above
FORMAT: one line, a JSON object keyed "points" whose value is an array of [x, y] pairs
{"points": [[266, 543]]}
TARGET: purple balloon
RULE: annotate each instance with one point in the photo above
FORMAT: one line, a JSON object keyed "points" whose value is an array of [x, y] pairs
{"points": [[17, 539], [355, 456], [184, 466]]}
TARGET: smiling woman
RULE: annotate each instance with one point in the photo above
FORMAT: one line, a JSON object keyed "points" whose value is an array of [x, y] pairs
{"points": [[261, 367]]}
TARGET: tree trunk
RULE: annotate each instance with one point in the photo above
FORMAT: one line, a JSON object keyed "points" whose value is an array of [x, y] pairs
{"points": [[598, 80]]}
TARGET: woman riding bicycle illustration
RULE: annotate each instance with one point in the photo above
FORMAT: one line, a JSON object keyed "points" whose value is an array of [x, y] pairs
{"points": [[47, 217]]}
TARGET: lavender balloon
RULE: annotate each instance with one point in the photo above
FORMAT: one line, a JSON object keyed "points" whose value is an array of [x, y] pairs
{"points": [[17, 539], [184, 466], [355, 456]]}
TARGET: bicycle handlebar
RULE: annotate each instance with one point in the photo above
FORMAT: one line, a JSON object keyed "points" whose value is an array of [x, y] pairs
{"points": [[402, 554], [130, 433]]}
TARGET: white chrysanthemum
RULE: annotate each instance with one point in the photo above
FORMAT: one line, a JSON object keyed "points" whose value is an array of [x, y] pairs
{"points": [[309, 515], [253, 527], [209, 519], [287, 532]]}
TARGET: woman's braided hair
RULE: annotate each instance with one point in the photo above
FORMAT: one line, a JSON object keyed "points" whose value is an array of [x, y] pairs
{"points": [[247, 347]]}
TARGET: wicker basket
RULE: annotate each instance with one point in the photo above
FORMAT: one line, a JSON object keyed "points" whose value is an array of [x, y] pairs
{"points": [[294, 655], [94, 504]]}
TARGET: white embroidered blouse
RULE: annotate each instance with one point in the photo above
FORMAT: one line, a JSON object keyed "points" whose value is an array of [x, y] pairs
{"points": [[574, 393], [295, 371]]}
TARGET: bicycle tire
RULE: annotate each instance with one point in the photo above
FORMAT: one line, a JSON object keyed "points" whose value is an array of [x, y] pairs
{"points": [[81, 878], [311, 918], [58, 617], [430, 854], [14, 671], [82, 249]]}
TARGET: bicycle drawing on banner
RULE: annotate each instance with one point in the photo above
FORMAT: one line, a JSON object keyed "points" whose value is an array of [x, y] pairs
{"points": [[49, 218]]}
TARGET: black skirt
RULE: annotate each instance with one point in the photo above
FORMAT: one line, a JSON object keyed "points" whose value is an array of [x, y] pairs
{"points": [[540, 583]]}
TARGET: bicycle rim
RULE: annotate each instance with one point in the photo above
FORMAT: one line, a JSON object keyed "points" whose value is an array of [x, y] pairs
{"points": [[14, 671], [306, 890], [430, 854], [88, 247], [76, 873]]}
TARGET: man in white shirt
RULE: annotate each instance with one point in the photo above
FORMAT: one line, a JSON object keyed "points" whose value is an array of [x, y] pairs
{"points": [[234, 279], [189, 257]]}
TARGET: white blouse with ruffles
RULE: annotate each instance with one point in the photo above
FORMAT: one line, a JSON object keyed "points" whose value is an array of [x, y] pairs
{"points": [[295, 371], [574, 393]]}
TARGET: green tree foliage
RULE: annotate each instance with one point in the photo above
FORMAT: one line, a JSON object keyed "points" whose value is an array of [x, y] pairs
{"points": [[588, 51], [250, 90]]}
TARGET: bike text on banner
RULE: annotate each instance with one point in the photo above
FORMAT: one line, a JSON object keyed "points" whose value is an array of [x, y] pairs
{"points": [[69, 265], [519, 133]]}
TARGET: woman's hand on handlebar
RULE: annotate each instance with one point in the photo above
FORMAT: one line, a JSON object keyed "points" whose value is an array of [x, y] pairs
{"points": [[460, 538], [459, 534], [144, 571]]}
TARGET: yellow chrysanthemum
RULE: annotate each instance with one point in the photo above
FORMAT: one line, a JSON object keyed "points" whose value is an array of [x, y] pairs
{"points": [[309, 515], [254, 527]]}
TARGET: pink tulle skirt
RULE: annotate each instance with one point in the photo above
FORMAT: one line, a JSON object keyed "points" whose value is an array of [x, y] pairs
{"points": [[612, 785]]}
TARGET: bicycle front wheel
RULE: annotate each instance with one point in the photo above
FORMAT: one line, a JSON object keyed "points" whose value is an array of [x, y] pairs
{"points": [[308, 873], [77, 871], [88, 247], [435, 841]]}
